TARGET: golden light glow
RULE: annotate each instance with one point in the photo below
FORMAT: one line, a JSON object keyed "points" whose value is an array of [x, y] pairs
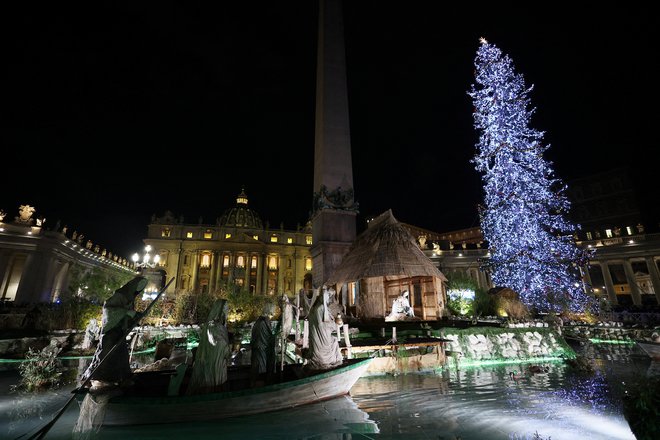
{"points": [[253, 263], [272, 262], [165, 232], [256, 237], [289, 240], [308, 263], [206, 260], [227, 235], [240, 261], [273, 239], [225, 261], [208, 234], [308, 239], [189, 235]]}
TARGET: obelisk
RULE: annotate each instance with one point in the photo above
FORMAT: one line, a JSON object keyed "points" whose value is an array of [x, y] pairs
{"points": [[334, 207]]}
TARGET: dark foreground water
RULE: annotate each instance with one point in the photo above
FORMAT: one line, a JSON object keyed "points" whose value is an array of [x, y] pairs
{"points": [[468, 403]]}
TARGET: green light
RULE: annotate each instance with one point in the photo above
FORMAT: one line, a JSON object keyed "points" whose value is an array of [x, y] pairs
{"points": [[11, 361], [491, 362], [69, 358], [611, 341]]}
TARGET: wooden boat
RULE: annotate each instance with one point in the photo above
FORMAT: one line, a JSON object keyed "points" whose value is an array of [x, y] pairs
{"points": [[650, 348], [145, 404]]}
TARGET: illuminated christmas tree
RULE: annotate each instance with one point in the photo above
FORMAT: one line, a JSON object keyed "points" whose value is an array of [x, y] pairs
{"points": [[531, 243]]}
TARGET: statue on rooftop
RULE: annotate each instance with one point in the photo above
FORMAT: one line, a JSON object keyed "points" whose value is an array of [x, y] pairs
{"points": [[25, 214]]}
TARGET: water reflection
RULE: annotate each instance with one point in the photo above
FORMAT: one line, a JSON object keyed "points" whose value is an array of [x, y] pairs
{"points": [[485, 403], [468, 403]]}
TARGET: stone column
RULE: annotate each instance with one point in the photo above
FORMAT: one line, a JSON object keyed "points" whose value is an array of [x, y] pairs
{"points": [[26, 285], [258, 288], [264, 274], [4, 272], [195, 269], [219, 267], [609, 285], [177, 269], [212, 270], [586, 278], [655, 277], [246, 273], [632, 282]]}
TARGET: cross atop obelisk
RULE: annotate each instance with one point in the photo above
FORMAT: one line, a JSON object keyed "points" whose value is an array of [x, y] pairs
{"points": [[333, 220]]}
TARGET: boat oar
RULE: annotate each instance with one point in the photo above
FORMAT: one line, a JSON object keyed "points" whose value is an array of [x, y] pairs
{"points": [[41, 433]]}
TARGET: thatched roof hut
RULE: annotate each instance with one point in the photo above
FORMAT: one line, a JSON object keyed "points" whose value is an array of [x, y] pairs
{"points": [[384, 261]]}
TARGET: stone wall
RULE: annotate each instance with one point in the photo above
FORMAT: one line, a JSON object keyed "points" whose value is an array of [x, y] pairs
{"points": [[17, 347], [609, 331], [492, 343]]}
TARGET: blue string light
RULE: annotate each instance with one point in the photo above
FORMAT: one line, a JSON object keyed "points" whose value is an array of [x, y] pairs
{"points": [[531, 243]]}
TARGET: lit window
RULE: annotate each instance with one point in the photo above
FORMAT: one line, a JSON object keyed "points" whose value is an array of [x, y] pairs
{"points": [[208, 234], [608, 233], [253, 263], [289, 240], [272, 262], [273, 239], [189, 235], [256, 237], [589, 236], [165, 232], [308, 264], [308, 239], [240, 261], [227, 235], [225, 261], [206, 261], [629, 230]]}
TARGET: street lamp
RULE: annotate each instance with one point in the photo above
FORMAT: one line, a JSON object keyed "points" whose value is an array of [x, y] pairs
{"points": [[144, 265], [147, 261]]}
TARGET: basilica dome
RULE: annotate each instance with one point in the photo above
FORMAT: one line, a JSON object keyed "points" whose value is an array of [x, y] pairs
{"points": [[241, 216]]}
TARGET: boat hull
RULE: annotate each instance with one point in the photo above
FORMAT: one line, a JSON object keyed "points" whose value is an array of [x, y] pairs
{"points": [[650, 348], [133, 410]]}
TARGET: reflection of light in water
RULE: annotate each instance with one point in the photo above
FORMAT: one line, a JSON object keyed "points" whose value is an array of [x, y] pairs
{"points": [[481, 403], [473, 403]]}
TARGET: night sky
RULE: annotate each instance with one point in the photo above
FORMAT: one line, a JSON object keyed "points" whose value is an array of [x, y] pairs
{"points": [[114, 112]]}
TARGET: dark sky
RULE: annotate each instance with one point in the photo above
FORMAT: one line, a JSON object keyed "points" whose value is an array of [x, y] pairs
{"points": [[113, 112]]}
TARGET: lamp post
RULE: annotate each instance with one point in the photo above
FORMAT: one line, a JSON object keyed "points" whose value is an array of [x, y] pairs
{"points": [[147, 260], [144, 266]]}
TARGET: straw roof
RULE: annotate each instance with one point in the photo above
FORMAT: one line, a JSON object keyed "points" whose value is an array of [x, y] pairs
{"points": [[386, 248]]}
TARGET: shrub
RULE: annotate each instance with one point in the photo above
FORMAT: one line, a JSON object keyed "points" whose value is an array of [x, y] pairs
{"points": [[41, 369]]}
